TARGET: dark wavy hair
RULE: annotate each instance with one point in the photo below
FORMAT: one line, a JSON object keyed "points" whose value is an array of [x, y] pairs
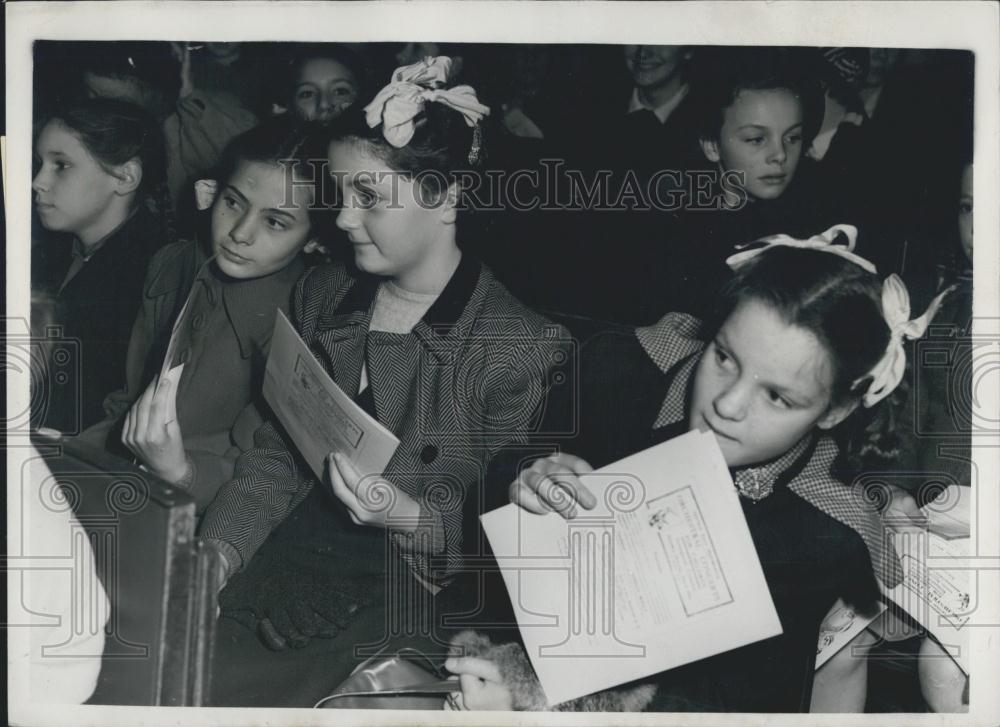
{"points": [[115, 132], [348, 58], [718, 75], [840, 303], [293, 145]]}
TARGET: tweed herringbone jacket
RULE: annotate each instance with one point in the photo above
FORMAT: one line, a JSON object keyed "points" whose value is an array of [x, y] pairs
{"points": [[467, 381]]}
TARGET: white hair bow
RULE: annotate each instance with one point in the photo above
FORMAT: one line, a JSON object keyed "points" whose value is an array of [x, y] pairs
{"points": [[396, 105], [888, 372], [829, 241], [204, 193]]}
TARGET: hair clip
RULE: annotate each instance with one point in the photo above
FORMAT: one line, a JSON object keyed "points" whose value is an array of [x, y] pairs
{"points": [[477, 144]]}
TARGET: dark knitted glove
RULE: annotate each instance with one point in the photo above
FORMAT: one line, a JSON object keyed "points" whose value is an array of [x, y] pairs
{"points": [[288, 595]]}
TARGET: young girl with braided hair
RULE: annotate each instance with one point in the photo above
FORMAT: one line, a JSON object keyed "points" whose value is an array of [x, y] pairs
{"points": [[430, 344], [795, 375], [99, 189]]}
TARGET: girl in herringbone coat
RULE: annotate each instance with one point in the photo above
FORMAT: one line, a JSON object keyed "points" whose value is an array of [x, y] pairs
{"points": [[428, 342]]}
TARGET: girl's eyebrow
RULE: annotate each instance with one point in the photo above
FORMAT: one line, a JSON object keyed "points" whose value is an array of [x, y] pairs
{"points": [[764, 127], [796, 396], [232, 188], [363, 185], [790, 392], [794, 393], [720, 342], [282, 213]]}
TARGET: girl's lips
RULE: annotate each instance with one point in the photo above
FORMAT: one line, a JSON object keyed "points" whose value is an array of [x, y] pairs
{"points": [[717, 433], [235, 257], [774, 178]]}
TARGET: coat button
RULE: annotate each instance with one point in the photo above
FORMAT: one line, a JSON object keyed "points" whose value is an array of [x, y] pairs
{"points": [[428, 454], [198, 322]]}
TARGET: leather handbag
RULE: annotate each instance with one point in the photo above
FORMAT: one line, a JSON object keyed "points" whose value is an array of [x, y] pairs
{"points": [[393, 681]]}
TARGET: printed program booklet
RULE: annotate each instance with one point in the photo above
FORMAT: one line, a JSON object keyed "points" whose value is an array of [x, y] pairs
{"points": [[318, 415], [661, 573]]}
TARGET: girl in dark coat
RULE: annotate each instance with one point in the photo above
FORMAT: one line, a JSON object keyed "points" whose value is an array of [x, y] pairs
{"points": [[791, 378], [99, 189]]}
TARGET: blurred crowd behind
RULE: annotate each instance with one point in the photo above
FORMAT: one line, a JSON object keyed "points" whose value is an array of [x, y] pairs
{"points": [[606, 193]]}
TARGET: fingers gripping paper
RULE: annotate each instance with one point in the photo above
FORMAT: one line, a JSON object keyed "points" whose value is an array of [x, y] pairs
{"points": [[661, 573], [316, 412]]}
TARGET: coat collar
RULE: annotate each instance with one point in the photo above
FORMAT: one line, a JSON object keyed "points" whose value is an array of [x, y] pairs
{"points": [[447, 309], [805, 469], [79, 250], [178, 270], [128, 246], [355, 308], [759, 481], [251, 305]]}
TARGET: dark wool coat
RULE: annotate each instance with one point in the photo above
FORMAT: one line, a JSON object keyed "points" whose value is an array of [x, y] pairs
{"points": [[633, 394], [465, 383], [96, 309]]}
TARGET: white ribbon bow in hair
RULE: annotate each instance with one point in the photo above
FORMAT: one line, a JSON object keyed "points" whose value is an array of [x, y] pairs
{"points": [[829, 241], [396, 105], [888, 372], [204, 193]]}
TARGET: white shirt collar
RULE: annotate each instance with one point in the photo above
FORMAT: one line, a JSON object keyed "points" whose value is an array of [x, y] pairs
{"points": [[662, 111]]}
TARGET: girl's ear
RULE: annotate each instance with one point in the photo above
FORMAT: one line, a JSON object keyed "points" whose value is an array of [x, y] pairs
{"points": [[710, 148], [129, 176], [835, 415], [449, 209]]}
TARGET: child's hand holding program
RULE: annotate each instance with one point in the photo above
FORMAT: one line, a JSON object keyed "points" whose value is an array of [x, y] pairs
{"points": [[152, 433], [552, 484], [370, 500]]}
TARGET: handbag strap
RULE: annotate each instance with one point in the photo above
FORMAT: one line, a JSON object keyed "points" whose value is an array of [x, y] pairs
{"points": [[406, 652], [440, 686]]}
